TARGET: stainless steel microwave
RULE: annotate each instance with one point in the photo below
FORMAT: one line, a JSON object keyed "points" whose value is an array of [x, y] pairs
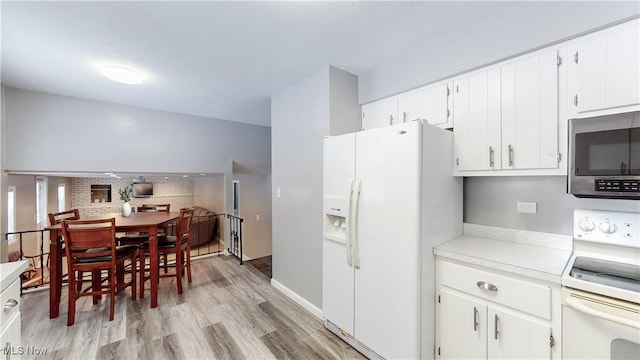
{"points": [[604, 156]]}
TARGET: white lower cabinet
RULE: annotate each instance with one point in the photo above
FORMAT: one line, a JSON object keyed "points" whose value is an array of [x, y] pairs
{"points": [[484, 315], [463, 327], [10, 325]]}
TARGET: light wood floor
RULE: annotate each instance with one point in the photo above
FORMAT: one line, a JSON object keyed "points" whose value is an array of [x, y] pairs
{"points": [[229, 311]]}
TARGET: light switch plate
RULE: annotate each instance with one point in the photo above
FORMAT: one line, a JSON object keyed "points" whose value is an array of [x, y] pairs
{"points": [[527, 207]]}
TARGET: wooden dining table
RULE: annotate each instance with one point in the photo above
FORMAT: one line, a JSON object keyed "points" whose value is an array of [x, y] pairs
{"points": [[148, 222]]}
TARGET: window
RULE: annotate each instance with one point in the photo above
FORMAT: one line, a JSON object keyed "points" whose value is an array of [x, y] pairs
{"points": [[11, 212], [236, 197], [61, 198], [41, 202]]}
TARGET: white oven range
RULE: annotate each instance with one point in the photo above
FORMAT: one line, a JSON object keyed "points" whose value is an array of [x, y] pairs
{"points": [[601, 287]]}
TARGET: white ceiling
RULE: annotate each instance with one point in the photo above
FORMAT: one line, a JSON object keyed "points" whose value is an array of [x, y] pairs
{"points": [[223, 59]]}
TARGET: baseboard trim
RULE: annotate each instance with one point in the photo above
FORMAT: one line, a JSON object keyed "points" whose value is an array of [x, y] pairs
{"points": [[314, 310]]}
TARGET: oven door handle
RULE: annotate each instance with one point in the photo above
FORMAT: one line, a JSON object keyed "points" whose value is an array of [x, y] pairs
{"points": [[582, 307]]}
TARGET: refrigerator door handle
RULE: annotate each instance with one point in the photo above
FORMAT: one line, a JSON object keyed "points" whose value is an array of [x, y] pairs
{"points": [[354, 223], [349, 227]]}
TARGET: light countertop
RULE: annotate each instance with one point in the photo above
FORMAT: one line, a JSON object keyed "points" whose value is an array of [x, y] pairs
{"points": [[10, 271], [523, 258]]}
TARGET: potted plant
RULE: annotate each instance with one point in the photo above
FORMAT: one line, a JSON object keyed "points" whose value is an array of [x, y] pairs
{"points": [[125, 195]]}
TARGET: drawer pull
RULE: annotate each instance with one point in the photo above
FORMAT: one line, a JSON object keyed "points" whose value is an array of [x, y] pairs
{"points": [[475, 319], [487, 286], [495, 331], [10, 304]]}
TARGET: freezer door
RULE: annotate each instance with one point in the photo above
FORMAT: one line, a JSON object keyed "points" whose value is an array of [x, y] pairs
{"points": [[337, 271], [388, 240]]}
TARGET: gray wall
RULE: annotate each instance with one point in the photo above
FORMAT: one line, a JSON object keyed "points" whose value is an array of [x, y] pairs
{"points": [[510, 35], [492, 201], [3, 182], [208, 192], [45, 132], [255, 209], [300, 118]]}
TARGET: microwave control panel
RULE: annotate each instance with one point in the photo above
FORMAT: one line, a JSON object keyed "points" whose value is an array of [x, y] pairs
{"points": [[617, 185]]}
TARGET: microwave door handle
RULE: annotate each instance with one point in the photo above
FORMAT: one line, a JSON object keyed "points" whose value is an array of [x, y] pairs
{"points": [[622, 168]]}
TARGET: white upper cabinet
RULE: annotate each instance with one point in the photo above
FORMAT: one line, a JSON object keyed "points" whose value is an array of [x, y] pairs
{"points": [[476, 107], [380, 113], [506, 116], [530, 112], [432, 103], [604, 71]]}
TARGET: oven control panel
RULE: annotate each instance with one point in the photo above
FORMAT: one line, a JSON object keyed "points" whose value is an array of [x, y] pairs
{"points": [[607, 227]]}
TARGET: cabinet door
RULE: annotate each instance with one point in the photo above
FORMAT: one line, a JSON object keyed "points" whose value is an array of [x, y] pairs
{"points": [[380, 113], [606, 70], [463, 327], [511, 336], [530, 112], [431, 103], [477, 115], [10, 338]]}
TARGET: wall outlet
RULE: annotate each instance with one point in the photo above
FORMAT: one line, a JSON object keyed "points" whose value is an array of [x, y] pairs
{"points": [[527, 207], [258, 217], [278, 194]]}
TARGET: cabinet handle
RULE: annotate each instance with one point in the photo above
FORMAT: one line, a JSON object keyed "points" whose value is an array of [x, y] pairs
{"points": [[487, 286], [404, 116], [510, 155], [390, 119], [491, 162], [475, 319], [10, 304], [496, 332], [575, 100]]}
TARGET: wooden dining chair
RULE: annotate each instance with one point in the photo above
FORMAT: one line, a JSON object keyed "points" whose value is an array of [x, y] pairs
{"points": [[57, 218], [140, 238], [91, 246], [180, 245]]}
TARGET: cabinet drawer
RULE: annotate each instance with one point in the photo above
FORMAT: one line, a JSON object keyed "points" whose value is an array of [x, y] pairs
{"points": [[10, 295], [521, 295]]}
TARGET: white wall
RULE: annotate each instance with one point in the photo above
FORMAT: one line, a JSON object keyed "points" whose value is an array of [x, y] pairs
{"points": [[45, 132], [300, 118], [510, 35], [173, 190]]}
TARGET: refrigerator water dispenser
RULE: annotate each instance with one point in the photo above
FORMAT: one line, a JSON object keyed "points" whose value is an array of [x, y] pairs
{"points": [[335, 218]]}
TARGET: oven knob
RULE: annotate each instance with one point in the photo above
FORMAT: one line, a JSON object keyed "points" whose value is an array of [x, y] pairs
{"points": [[586, 225], [608, 228]]}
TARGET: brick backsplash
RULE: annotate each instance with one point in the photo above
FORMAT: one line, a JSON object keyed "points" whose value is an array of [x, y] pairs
{"points": [[177, 191]]}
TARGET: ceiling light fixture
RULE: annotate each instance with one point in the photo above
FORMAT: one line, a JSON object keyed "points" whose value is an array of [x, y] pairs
{"points": [[122, 75]]}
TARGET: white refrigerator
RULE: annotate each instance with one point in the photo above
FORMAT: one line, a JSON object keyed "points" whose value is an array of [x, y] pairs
{"points": [[389, 198]]}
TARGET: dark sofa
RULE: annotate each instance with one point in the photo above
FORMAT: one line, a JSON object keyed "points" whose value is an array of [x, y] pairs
{"points": [[204, 228]]}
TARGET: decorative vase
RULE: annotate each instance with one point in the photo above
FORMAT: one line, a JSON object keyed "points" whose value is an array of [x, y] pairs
{"points": [[126, 209]]}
